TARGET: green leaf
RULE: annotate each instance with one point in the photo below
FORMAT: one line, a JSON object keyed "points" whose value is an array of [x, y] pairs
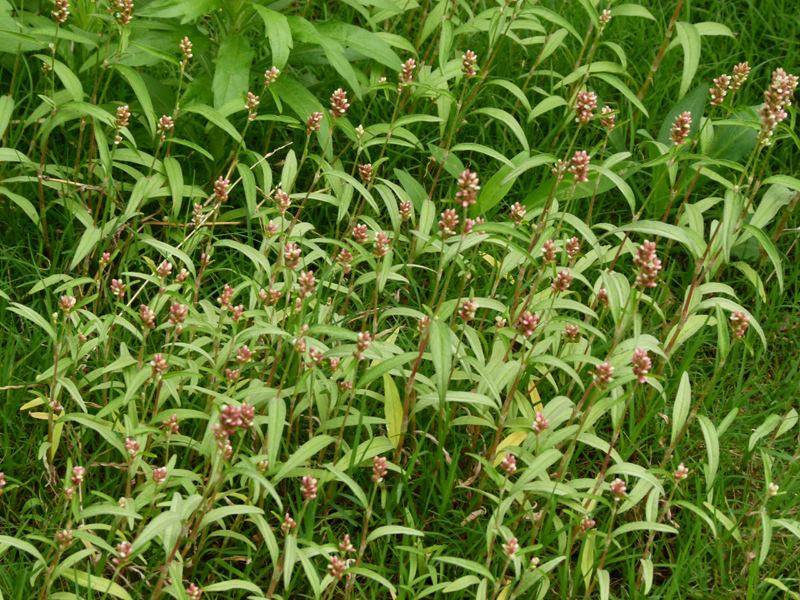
{"points": [[71, 82], [93, 582], [233, 584], [712, 448], [680, 410], [86, 245], [216, 118], [217, 514], [689, 38], [303, 454], [23, 203], [508, 120], [142, 94], [392, 530], [279, 34], [769, 247], [6, 109], [632, 10], [232, 71], [393, 409], [441, 354], [7, 540], [172, 169], [34, 317]]}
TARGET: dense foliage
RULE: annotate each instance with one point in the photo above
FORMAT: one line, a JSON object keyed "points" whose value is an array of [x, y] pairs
{"points": [[375, 299]]}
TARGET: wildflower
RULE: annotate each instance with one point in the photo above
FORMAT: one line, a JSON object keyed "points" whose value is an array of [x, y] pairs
{"points": [[64, 538], [232, 375], [3, 482], [226, 296], [608, 118], [363, 341], [159, 364], [467, 310], [251, 104], [194, 592], [573, 246], [602, 296], [379, 468], [509, 464], [313, 122], [720, 89], [177, 313], [336, 566], [291, 255], [772, 489], [117, 288], [282, 200], [60, 11], [534, 562], [407, 72], [618, 488], [171, 425], [69, 492], [131, 446], [511, 547], [500, 322], [244, 354], [381, 244], [405, 210], [681, 128], [307, 283], [365, 171], [681, 473], [527, 323], [517, 213], [122, 119], [78, 475], [549, 251], [334, 361], [559, 168], [309, 488], [579, 166], [67, 303], [603, 373], [288, 524], [540, 423], [469, 63], [739, 323], [641, 364], [448, 221], [123, 552], [359, 131], [221, 186], [346, 545], [469, 224], [572, 332], [649, 264], [359, 233], [271, 76], [344, 257], [160, 475], [585, 104], [740, 74], [186, 51], [777, 98], [165, 125], [587, 523], [122, 10], [339, 103], [468, 187], [604, 18], [561, 282]]}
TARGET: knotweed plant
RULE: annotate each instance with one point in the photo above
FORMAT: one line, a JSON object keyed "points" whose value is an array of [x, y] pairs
{"points": [[357, 307]]}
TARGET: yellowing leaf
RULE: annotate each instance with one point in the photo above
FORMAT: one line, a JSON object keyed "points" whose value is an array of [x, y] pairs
{"points": [[514, 439]]}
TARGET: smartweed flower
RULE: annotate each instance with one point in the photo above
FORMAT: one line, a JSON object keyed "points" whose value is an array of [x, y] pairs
{"points": [[379, 468], [468, 188], [60, 11], [186, 51], [448, 221], [649, 264], [271, 76], [585, 104], [467, 310], [739, 323], [469, 63], [509, 464], [540, 423], [313, 122], [339, 103], [603, 373], [740, 74], [721, 86], [681, 128], [527, 323], [579, 166], [641, 364], [618, 489], [309, 488], [511, 547]]}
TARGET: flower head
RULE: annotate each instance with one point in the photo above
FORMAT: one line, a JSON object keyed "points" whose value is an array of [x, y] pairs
{"points": [[309, 487], [579, 166], [468, 188], [641, 364], [603, 373], [739, 323], [339, 103], [618, 488], [509, 464], [469, 63], [313, 122], [649, 264], [585, 104], [540, 423], [681, 128], [379, 468], [527, 323]]}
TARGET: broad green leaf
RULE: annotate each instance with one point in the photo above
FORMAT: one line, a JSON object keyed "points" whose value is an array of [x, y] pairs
{"points": [[680, 410], [232, 70], [279, 34], [689, 39], [393, 409]]}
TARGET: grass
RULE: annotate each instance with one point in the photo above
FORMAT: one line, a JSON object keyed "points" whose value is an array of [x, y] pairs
{"points": [[469, 388]]}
